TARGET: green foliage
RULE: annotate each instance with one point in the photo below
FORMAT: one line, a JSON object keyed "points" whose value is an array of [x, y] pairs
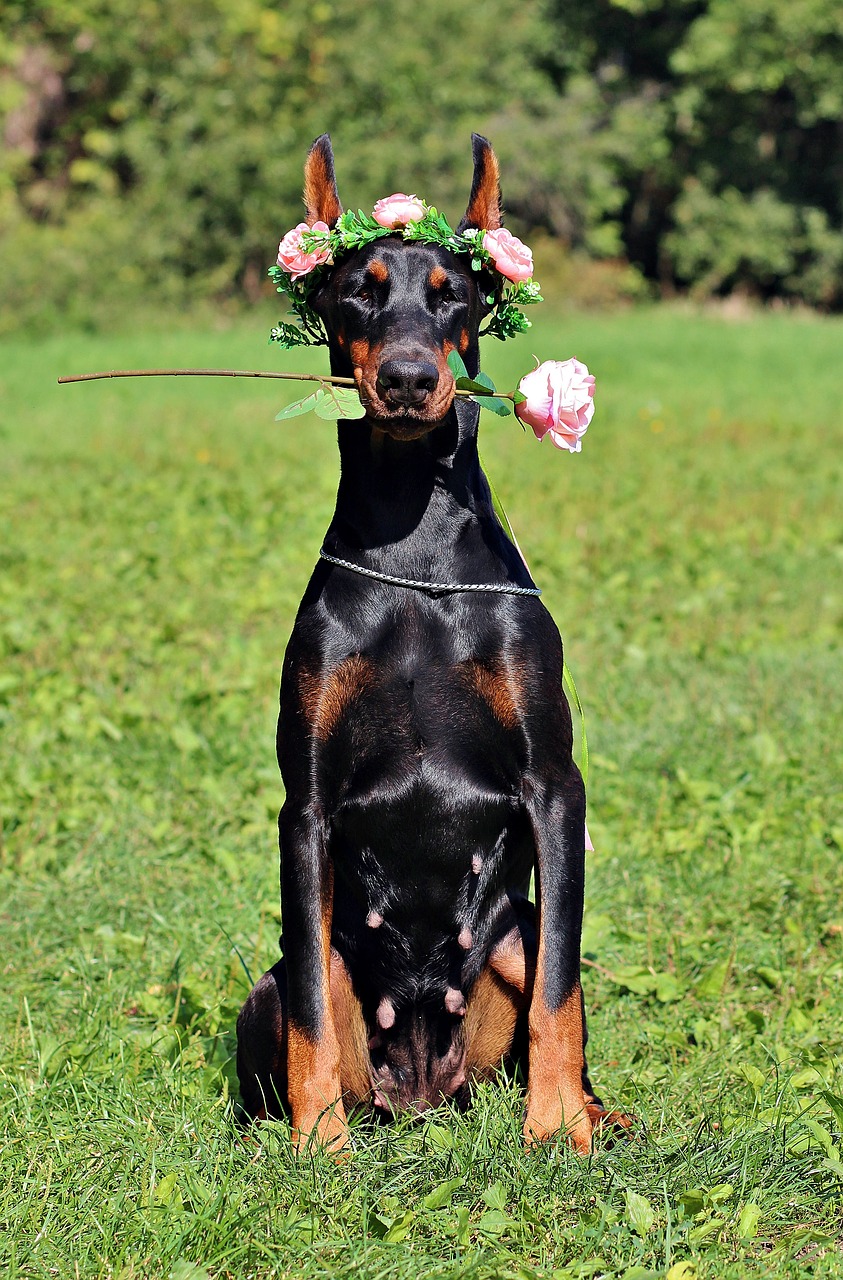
{"points": [[758, 243], [155, 151], [691, 555]]}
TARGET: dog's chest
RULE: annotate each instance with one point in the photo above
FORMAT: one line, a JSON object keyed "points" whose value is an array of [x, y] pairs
{"points": [[419, 716]]}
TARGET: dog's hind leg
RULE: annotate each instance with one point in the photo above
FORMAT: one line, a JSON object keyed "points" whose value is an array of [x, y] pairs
{"points": [[262, 1029], [262, 1047]]}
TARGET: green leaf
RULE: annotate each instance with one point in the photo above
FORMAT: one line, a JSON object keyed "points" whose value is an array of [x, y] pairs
{"points": [[639, 1213], [340, 402], [835, 1103], [474, 384], [668, 987], [495, 1196], [167, 1191], [684, 1270], [307, 405], [753, 1077], [634, 978], [456, 364], [440, 1136], [493, 404], [442, 1195], [748, 1220], [463, 1226], [707, 1229], [400, 1229], [821, 1136], [712, 983], [185, 738], [494, 1223], [692, 1201], [807, 1078]]}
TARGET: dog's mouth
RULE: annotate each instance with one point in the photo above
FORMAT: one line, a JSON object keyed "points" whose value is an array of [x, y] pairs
{"points": [[406, 399]]}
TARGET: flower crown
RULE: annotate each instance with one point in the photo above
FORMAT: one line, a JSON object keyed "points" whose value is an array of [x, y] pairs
{"points": [[307, 251]]}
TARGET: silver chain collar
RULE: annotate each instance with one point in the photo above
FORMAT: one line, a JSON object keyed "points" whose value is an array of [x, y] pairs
{"points": [[433, 588]]}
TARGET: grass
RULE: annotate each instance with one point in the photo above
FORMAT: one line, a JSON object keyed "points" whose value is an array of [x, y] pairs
{"points": [[155, 538]]}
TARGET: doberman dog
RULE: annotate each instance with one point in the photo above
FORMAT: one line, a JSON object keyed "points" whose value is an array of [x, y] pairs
{"points": [[425, 746]]}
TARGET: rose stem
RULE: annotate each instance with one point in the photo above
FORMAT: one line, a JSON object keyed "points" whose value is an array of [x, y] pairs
{"points": [[240, 373]]}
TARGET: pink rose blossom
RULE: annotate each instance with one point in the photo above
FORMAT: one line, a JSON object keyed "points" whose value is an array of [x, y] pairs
{"points": [[396, 211], [294, 258], [560, 402], [511, 256]]}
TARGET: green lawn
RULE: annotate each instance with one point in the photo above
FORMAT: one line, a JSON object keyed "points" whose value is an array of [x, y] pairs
{"points": [[155, 538]]}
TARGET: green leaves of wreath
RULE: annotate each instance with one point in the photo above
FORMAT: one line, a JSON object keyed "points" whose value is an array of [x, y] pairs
{"points": [[357, 230]]}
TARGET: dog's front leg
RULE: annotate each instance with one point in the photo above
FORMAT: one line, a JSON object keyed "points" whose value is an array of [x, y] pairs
{"points": [[313, 1053], [555, 1103]]}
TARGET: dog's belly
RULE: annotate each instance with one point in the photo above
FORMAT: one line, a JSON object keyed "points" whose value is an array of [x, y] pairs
{"points": [[429, 838]]}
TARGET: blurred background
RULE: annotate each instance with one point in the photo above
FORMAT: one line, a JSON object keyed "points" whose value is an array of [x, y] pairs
{"points": [[152, 152]]}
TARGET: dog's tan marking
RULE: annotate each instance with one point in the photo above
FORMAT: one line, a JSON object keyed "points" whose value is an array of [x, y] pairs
{"points": [[351, 1032], [498, 689], [484, 203], [513, 966], [320, 188], [437, 277], [556, 1103], [361, 351], [314, 1089], [464, 342], [490, 1018], [378, 270], [325, 698], [366, 359]]}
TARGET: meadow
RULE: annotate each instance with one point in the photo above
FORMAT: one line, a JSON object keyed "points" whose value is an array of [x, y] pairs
{"points": [[155, 538]]}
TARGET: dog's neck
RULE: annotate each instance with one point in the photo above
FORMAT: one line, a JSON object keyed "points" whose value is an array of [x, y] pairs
{"points": [[422, 508]]}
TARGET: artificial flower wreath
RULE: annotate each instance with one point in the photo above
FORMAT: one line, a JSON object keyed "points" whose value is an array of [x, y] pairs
{"points": [[305, 251]]}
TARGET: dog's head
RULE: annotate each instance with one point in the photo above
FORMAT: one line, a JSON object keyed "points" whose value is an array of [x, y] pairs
{"points": [[393, 311]]}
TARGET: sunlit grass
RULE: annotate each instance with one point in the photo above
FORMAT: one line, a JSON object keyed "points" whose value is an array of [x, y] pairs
{"points": [[155, 538]]}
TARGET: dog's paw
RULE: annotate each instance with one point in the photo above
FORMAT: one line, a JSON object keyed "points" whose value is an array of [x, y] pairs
{"points": [[577, 1133], [611, 1125], [328, 1131]]}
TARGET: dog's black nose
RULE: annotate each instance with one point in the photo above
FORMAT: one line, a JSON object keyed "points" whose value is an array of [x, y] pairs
{"points": [[407, 382]]}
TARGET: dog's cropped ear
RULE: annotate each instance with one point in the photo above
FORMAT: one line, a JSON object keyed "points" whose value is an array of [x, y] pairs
{"points": [[320, 184], [484, 203]]}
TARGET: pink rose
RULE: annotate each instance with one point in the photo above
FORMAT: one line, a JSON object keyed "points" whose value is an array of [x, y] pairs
{"points": [[396, 211], [560, 402], [511, 257], [297, 260]]}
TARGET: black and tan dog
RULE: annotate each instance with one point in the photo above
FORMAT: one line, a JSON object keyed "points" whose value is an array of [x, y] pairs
{"points": [[425, 746]]}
